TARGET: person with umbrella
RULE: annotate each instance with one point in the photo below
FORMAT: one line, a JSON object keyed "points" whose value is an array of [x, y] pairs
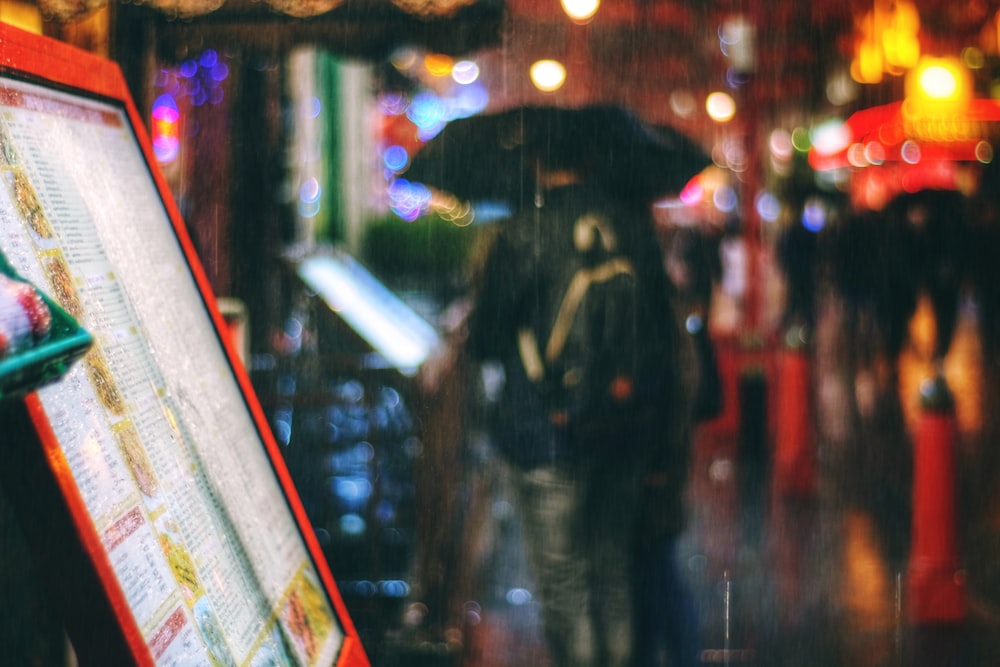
{"points": [[574, 301]]}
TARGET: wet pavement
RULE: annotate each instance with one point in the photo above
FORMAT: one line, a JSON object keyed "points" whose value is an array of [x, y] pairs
{"points": [[792, 562], [824, 574]]}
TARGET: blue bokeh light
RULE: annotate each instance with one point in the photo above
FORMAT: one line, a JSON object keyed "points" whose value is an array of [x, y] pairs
{"points": [[188, 69], [395, 158], [427, 110], [208, 58], [813, 216]]}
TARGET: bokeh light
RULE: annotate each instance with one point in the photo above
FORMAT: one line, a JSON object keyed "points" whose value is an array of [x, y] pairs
{"points": [[166, 128], [353, 492], [208, 59], [407, 199], [732, 154], [768, 206], [426, 110], [188, 69], [938, 82], [813, 215], [973, 58], [693, 192], [721, 107], [830, 137], [683, 103], [725, 198], [438, 64], [312, 108], [937, 87], [395, 158], [910, 152], [470, 99], [841, 89], [352, 524], [518, 596], [984, 152], [394, 588], [874, 152], [548, 75], [780, 143], [310, 195], [196, 81], [580, 11], [404, 59], [856, 155], [736, 41], [465, 72], [393, 103], [801, 139]]}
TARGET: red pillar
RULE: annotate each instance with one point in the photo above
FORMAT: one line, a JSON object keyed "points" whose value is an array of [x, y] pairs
{"points": [[794, 471], [936, 591]]}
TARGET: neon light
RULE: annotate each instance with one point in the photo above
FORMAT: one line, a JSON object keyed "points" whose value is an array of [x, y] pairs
{"points": [[394, 330], [165, 129]]}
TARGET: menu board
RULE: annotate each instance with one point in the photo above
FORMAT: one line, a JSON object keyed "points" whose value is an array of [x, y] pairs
{"points": [[153, 431]]}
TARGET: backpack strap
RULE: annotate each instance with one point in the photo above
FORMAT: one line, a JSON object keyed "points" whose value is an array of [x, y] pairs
{"points": [[578, 286], [531, 359], [527, 343]]}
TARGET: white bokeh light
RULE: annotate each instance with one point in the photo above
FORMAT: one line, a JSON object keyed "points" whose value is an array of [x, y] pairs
{"points": [[548, 75], [580, 11], [721, 107]]}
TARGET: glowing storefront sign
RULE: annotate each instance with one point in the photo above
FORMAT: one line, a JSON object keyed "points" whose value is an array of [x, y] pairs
{"points": [[381, 318]]}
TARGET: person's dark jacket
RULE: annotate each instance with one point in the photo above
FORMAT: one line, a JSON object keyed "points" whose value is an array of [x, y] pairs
{"points": [[523, 275]]}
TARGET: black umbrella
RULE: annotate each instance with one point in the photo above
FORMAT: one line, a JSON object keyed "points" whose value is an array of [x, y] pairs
{"points": [[477, 158], [492, 156]]}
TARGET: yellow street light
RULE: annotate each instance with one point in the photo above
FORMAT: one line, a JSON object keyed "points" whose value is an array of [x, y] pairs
{"points": [[937, 86]]}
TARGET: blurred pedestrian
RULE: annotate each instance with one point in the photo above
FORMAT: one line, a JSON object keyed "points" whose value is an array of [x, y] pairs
{"points": [[695, 267], [573, 300]]}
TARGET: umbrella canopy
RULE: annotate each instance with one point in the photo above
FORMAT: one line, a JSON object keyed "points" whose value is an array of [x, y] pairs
{"points": [[492, 156]]}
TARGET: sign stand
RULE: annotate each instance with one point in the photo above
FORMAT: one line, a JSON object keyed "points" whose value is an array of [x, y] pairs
{"points": [[46, 523]]}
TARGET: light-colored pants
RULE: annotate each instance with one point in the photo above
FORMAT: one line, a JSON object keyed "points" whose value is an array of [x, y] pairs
{"points": [[578, 528]]}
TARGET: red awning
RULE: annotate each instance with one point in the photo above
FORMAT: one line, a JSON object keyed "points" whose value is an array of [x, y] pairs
{"points": [[887, 133]]}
